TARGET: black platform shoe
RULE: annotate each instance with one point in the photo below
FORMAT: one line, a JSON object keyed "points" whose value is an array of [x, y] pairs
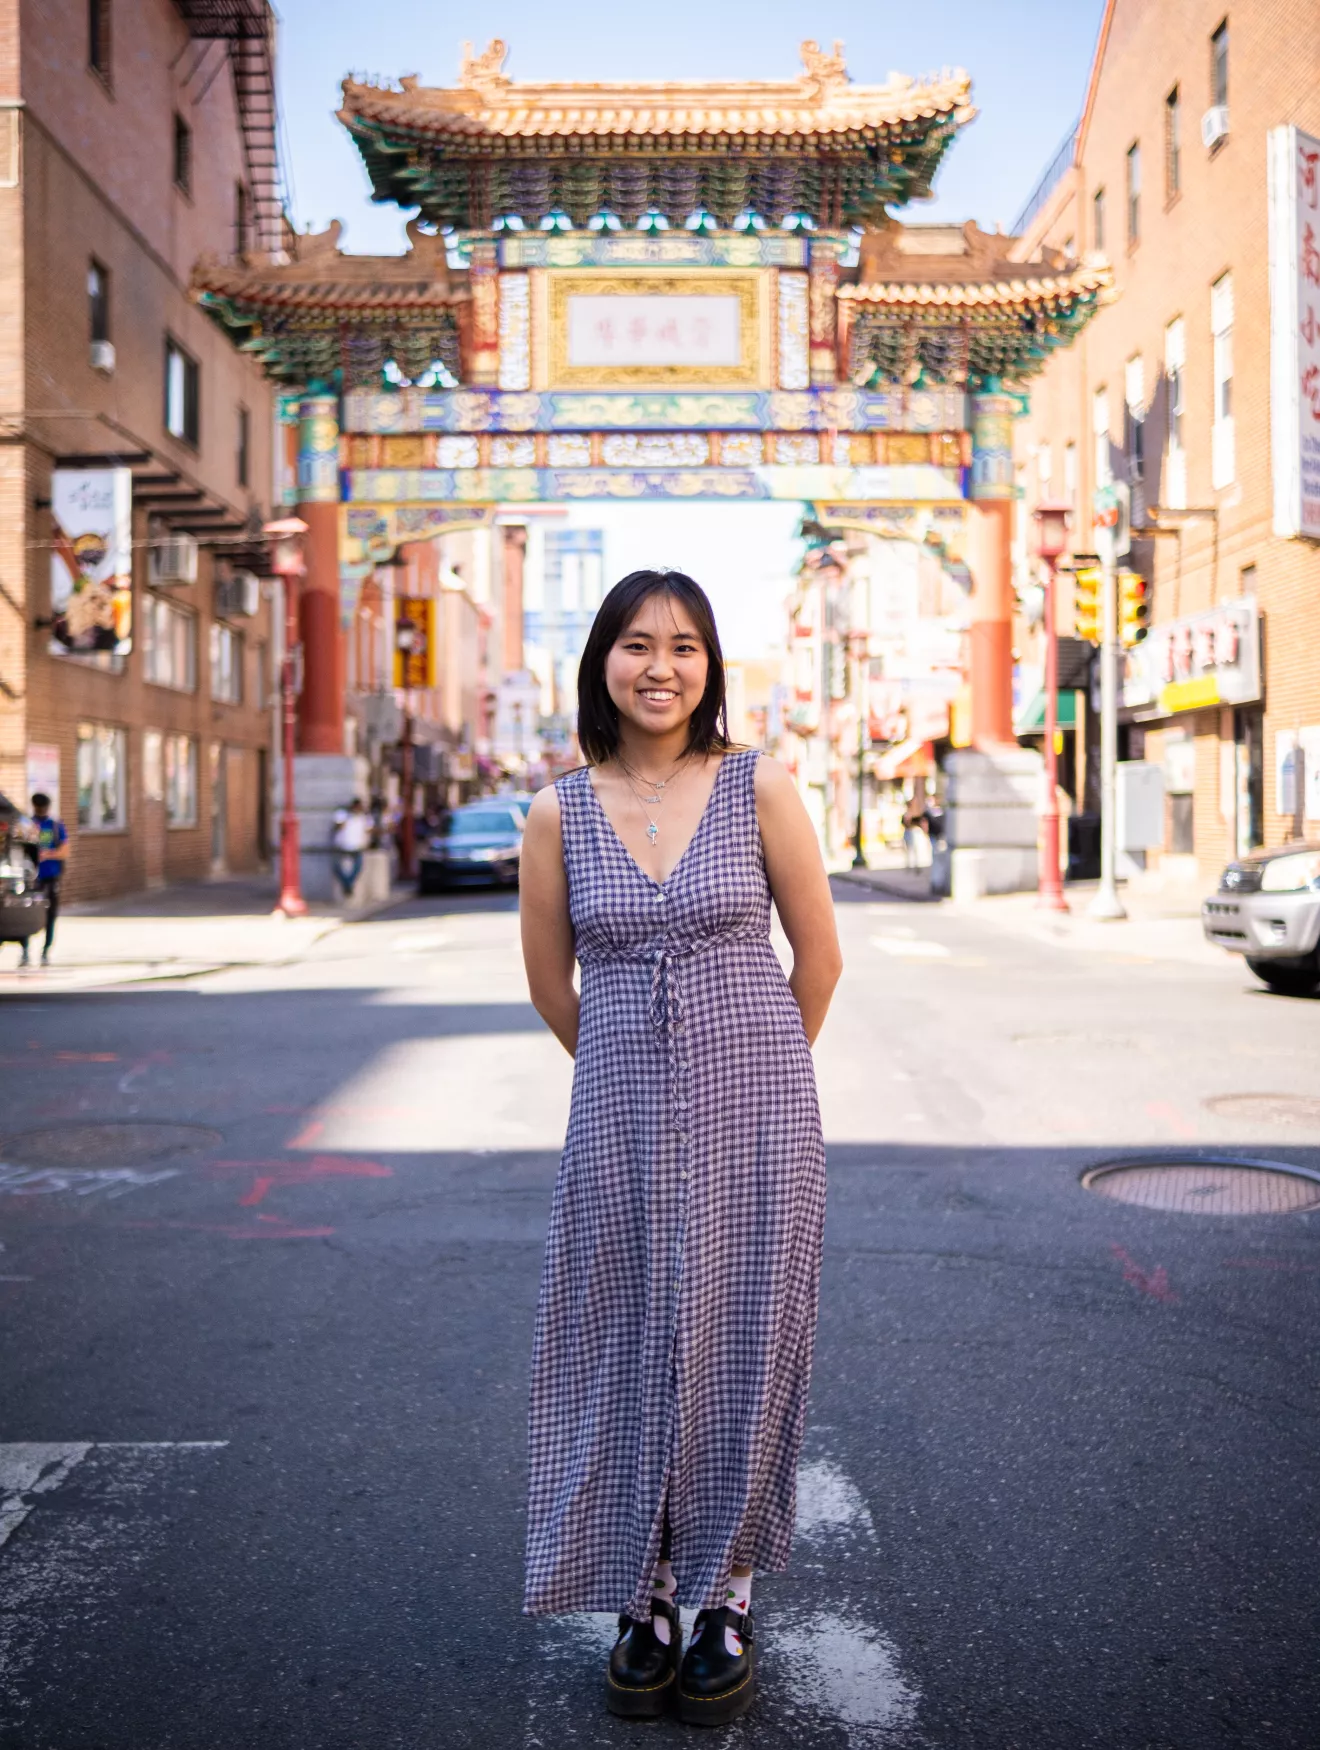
{"points": [[643, 1671], [715, 1685]]}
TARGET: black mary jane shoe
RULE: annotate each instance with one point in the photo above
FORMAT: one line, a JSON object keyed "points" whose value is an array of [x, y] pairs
{"points": [[643, 1671], [715, 1685]]}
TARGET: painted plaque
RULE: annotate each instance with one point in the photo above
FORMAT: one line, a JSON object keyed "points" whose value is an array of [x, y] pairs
{"points": [[623, 330], [641, 329]]}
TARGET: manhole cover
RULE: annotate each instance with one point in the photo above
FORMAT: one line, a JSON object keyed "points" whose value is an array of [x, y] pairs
{"points": [[80, 1145], [1267, 1108], [1207, 1187]]}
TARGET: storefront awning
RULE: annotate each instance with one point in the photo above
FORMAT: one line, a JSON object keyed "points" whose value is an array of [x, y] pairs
{"points": [[907, 759], [1031, 719]]}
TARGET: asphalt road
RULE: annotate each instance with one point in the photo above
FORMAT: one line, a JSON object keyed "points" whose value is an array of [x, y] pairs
{"points": [[262, 1397]]}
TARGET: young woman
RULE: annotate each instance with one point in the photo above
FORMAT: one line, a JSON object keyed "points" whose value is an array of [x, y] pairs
{"points": [[678, 1300]]}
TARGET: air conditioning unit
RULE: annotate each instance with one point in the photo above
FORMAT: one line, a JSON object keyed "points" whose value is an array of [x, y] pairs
{"points": [[103, 357], [1214, 126], [174, 560], [237, 597]]}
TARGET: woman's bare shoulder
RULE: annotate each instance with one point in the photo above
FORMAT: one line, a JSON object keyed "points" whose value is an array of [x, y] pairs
{"points": [[773, 780]]}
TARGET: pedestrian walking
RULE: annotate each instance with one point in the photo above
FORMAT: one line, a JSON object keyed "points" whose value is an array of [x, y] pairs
{"points": [[914, 822], [51, 851], [678, 1298], [352, 835]]}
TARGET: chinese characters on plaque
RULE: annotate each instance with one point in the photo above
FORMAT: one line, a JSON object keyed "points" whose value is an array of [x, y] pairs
{"points": [[629, 329]]}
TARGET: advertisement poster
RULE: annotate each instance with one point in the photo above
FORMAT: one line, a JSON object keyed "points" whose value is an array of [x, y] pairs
{"points": [[1294, 233], [91, 567], [42, 775]]}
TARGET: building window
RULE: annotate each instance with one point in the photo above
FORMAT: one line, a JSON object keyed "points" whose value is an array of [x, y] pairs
{"points": [[226, 664], [1219, 67], [1134, 419], [241, 218], [1098, 219], [244, 445], [1173, 145], [1174, 488], [1223, 457], [102, 773], [1104, 473], [1070, 474], [180, 780], [182, 394], [169, 644], [153, 766], [98, 38], [183, 144], [1133, 194], [98, 301]]}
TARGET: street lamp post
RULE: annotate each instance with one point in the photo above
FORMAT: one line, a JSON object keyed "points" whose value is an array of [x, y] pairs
{"points": [[1051, 543], [407, 638], [288, 564]]}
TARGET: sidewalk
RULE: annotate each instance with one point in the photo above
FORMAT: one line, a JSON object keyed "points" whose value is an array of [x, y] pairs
{"points": [[1163, 921], [172, 933]]}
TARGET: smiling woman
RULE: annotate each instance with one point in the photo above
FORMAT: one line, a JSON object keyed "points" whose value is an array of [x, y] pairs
{"points": [[678, 1299]]}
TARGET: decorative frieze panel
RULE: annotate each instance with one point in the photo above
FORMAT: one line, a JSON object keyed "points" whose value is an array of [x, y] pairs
{"points": [[652, 249], [922, 484], [515, 331], [568, 450], [655, 450], [408, 411], [513, 452], [794, 333], [741, 449]]}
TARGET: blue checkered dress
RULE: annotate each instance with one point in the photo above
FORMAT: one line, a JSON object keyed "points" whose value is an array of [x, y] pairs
{"points": [[678, 1298]]}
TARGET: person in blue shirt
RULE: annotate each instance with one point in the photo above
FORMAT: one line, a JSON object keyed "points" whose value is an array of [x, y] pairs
{"points": [[51, 849]]}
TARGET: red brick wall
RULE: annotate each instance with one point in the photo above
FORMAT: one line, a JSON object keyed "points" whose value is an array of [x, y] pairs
{"points": [[1216, 224]]}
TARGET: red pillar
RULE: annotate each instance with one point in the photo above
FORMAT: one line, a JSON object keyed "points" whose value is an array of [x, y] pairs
{"points": [[989, 559], [321, 704]]}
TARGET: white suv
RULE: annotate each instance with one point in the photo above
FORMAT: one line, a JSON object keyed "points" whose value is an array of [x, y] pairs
{"points": [[1268, 908]]}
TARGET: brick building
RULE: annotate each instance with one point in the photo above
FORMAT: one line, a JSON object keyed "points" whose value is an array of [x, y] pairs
{"points": [[1169, 389], [135, 135]]}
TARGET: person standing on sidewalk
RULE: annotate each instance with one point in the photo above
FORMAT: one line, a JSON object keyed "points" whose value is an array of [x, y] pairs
{"points": [[679, 1291], [352, 836], [51, 850]]}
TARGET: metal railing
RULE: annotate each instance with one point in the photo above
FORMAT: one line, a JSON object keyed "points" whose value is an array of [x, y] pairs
{"points": [[1060, 163]]}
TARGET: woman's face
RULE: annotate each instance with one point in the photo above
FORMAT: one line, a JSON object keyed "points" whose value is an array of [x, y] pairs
{"points": [[657, 668]]}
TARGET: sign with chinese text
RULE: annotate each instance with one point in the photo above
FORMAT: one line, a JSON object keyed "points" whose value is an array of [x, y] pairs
{"points": [[416, 642], [91, 566], [1294, 185], [1206, 659], [621, 329]]}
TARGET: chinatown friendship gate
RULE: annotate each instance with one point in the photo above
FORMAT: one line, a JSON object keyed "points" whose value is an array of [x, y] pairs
{"points": [[690, 290]]}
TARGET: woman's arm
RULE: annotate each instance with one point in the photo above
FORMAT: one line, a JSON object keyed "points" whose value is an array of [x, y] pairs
{"points": [[801, 892], [547, 932]]}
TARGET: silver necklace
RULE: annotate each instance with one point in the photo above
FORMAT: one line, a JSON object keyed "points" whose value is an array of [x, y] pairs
{"points": [[632, 777]]}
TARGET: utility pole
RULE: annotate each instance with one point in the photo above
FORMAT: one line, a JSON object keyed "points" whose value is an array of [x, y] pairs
{"points": [[1106, 904], [289, 564]]}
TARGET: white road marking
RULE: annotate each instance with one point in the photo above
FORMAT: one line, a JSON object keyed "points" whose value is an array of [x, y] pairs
{"points": [[18, 1181], [841, 1668], [29, 1469], [910, 950], [829, 1502]]}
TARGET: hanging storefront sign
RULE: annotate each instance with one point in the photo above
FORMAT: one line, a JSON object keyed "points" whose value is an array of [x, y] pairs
{"points": [[1205, 659], [91, 567], [1294, 214]]}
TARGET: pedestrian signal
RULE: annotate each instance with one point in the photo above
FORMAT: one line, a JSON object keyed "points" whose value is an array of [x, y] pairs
{"points": [[1088, 603], [1133, 608]]}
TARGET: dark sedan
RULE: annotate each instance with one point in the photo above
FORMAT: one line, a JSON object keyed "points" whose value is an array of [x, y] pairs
{"points": [[481, 843]]}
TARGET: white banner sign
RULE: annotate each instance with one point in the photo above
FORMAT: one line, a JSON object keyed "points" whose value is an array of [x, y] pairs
{"points": [[91, 567], [1294, 197], [1205, 659], [651, 329]]}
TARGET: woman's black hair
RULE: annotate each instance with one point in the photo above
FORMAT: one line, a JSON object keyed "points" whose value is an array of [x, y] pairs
{"points": [[598, 716]]}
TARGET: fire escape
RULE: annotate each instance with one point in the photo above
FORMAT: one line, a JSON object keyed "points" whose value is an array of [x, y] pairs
{"points": [[247, 28]]}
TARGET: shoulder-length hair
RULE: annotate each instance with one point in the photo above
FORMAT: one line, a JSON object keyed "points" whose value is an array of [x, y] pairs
{"points": [[598, 716]]}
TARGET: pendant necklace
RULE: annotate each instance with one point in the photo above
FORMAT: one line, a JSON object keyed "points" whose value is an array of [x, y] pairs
{"points": [[658, 785]]}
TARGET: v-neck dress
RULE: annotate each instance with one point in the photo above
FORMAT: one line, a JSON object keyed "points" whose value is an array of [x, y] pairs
{"points": [[679, 1292]]}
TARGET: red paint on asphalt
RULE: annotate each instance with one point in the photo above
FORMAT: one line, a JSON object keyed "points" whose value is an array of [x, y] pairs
{"points": [[267, 1175], [1154, 1282], [1165, 1112]]}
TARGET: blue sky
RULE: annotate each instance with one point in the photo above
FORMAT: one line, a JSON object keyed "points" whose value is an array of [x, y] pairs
{"points": [[1028, 60]]}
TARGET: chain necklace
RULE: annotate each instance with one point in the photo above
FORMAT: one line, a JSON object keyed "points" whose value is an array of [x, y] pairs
{"points": [[632, 777]]}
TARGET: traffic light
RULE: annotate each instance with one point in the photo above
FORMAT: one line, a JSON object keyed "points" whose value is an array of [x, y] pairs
{"points": [[1133, 608], [1088, 610]]}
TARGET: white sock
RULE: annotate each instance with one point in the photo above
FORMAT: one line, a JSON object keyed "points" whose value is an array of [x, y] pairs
{"points": [[663, 1585], [738, 1597]]}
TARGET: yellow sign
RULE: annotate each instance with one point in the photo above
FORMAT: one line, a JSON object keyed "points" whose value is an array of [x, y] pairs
{"points": [[1190, 695], [416, 641]]}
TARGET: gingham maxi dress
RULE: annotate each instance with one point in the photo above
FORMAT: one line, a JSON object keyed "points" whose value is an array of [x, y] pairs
{"points": [[678, 1298]]}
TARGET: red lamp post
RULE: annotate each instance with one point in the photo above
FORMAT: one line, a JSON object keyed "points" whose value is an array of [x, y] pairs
{"points": [[408, 637], [289, 564], [1051, 544]]}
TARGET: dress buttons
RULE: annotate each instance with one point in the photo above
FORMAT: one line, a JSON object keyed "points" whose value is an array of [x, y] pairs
{"points": [[659, 899], [684, 1175]]}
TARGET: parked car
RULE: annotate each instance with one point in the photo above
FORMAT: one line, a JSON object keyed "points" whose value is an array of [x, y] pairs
{"points": [[480, 842], [1268, 909]]}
